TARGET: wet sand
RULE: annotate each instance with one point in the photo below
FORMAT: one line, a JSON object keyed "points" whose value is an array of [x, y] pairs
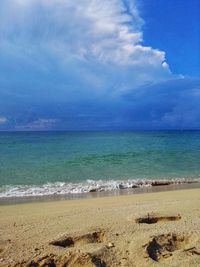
{"points": [[148, 229]]}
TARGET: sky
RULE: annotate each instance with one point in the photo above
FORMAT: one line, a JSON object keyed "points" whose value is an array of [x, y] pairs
{"points": [[99, 64]]}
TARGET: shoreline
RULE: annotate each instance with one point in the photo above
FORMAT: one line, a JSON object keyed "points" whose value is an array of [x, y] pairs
{"points": [[103, 230], [110, 193]]}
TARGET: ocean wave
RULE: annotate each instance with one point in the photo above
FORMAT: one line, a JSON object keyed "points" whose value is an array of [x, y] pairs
{"points": [[62, 188]]}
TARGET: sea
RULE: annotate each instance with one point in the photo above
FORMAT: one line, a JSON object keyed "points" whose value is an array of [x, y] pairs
{"points": [[65, 163]]}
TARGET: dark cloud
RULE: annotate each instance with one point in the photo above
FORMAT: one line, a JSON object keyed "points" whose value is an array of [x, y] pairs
{"points": [[174, 104]]}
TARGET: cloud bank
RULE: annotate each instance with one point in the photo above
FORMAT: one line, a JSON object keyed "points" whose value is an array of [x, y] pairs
{"points": [[82, 65]]}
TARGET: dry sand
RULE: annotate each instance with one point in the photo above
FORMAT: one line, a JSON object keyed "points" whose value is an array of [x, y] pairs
{"points": [[152, 229]]}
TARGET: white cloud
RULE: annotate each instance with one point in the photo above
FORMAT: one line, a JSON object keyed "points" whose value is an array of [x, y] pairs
{"points": [[100, 31], [3, 120], [41, 123]]}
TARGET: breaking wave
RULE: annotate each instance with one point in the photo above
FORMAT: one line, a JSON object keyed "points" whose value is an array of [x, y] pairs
{"points": [[62, 188]]}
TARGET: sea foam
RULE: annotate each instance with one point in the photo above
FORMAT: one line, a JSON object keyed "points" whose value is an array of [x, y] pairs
{"points": [[62, 188]]}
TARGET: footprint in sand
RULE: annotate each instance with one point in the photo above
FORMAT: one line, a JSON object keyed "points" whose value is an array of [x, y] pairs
{"points": [[192, 251], [153, 218], [66, 241], [71, 260], [163, 246]]}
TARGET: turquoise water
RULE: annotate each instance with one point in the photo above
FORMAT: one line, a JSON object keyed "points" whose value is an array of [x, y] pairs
{"points": [[39, 158]]}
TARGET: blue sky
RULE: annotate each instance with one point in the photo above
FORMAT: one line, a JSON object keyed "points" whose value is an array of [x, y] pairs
{"points": [[99, 65], [174, 27]]}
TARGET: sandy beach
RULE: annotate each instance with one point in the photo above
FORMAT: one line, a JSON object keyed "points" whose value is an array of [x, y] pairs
{"points": [[151, 229]]}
